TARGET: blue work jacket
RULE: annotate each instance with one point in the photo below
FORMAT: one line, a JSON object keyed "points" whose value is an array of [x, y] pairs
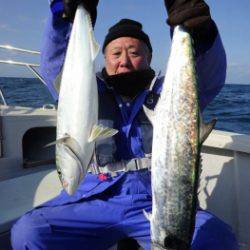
{"points": [[131, 143]]}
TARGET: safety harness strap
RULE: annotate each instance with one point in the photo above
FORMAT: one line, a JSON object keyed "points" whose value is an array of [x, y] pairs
{"points": [[122, 166]]}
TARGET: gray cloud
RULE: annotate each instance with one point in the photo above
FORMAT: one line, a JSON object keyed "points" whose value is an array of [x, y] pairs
{"points": [[6, 27]]}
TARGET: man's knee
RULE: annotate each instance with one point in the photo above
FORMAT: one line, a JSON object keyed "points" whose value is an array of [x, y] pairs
{"points": [[29, 231], [212, 233]]}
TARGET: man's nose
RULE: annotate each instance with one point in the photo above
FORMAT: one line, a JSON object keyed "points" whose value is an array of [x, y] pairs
{"points": [[125, 61]]}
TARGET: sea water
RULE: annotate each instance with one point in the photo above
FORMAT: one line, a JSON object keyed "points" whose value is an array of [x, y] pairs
{"points": [[231, 106]]}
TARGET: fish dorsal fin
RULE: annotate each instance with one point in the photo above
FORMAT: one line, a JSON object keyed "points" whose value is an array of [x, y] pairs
{"points": [[149, 113], [205, 129], [101, 132]]}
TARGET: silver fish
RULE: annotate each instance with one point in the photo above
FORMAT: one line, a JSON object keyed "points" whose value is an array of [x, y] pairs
{"points": [[177, 137], [78, 105]]}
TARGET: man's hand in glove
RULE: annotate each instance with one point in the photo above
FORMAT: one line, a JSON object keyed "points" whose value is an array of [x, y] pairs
{"points": [[70, 7], [195, 16]]}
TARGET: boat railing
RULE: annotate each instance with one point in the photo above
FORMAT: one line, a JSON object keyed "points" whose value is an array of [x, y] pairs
{"points": [[30, 66], [3, 101]]}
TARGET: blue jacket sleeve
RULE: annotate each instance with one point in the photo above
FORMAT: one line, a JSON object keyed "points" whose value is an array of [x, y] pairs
{"points": [[53, 51], [211, 72]]}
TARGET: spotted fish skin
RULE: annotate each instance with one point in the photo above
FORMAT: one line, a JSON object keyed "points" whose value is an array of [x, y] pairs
{"points": [[176, 150]]}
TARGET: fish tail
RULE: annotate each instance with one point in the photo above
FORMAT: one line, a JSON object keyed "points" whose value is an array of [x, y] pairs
{"points": [[94, 46]]}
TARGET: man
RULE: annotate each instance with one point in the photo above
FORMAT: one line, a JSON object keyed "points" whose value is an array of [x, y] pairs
{"points": [[107, 208]]}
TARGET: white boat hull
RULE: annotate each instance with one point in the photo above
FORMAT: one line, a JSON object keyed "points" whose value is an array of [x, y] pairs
{"points": [[224, 185]]}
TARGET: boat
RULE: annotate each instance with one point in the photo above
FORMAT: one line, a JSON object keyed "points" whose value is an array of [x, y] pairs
{"points": [[28, 176]]}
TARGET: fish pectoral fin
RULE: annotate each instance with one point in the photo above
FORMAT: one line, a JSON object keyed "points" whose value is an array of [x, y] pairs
{"points": [[205, 129], [61, 140], [149, 113], [101, 132], [147, 215]]}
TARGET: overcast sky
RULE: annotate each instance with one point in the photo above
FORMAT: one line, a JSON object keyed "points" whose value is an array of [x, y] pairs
{"points": [[22, 24]]}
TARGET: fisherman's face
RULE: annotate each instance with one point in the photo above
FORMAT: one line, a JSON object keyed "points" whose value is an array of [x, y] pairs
{"points": [[126, 54]]}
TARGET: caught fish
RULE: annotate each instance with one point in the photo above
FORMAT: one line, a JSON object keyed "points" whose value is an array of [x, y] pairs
{"points": [[77, 114], [177, 138]]}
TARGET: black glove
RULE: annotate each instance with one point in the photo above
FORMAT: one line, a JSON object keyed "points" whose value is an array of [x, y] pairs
{"points": [[195, 16], [70, 7]]}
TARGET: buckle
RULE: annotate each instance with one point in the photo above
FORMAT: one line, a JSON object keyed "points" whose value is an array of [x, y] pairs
{"points": [[94, 169]]}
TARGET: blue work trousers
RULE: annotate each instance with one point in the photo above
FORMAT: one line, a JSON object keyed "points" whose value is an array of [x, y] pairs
{"points": [[99, 221]]}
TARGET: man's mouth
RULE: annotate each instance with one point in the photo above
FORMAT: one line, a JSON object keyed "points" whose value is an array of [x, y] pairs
{"points": [[124, 71]]}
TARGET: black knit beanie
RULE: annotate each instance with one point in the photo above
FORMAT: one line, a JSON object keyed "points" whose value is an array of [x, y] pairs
{"points": [[127, 28]]}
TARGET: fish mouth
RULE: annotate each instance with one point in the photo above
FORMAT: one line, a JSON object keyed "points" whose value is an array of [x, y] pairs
{"points": [[157, 246], [69, 188], [173, 242]]}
